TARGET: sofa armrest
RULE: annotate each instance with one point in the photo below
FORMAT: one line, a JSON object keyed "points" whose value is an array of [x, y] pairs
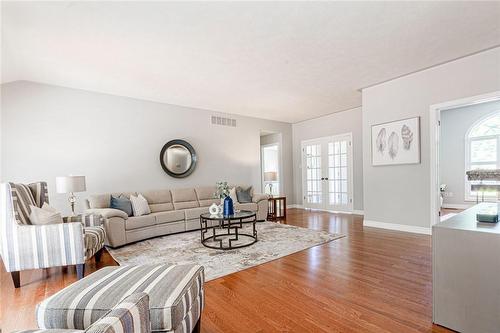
{"points": [[257, 197], [107, 212], [132, 311], [87, 219]]}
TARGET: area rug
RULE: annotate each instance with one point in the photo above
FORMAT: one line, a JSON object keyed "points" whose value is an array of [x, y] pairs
{"points": [[274, 241]]}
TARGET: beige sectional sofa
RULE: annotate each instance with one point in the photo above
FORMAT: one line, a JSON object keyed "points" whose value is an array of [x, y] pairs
{"points": [[172, 211]]}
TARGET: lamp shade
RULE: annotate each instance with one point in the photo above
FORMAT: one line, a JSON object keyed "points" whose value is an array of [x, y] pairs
{"points": [[270, 176], [67, 184]]}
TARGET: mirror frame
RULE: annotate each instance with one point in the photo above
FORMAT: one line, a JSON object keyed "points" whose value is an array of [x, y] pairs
{"points": [[185, 144]]}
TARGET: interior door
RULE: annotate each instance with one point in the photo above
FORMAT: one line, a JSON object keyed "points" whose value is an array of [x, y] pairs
{"points": [[339, 175], [327, 173], [312, 174]]}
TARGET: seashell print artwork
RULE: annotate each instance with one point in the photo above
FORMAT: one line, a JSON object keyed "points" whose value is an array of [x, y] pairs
{"points": [[396, 142], [381, 141], [407, 136], [393, 145]]}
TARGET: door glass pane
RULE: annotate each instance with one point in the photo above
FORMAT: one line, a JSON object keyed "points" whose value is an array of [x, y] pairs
{"points": [[338, 192], [313, 174], [343, 160]]}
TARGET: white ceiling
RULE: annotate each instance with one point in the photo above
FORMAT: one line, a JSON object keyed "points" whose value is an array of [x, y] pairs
{"points": [[285, 61]]}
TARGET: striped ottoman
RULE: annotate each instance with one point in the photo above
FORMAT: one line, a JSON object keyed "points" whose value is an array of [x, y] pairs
{"points": [[175, 297]]}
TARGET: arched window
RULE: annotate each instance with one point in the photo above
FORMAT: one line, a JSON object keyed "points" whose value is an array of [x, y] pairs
{"points": [[483, 151]]}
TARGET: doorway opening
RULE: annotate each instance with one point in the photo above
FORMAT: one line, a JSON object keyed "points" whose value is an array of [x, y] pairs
{"points": [[464, 135], [270, 157], [327, 173]]}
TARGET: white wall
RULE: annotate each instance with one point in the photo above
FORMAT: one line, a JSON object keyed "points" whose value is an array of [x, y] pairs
{"points": [[333, 124], [115, 141], [400, 194], [455, 124]]}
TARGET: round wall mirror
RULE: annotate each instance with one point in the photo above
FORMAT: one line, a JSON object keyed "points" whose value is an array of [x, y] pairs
{"points": [[178, 158]]}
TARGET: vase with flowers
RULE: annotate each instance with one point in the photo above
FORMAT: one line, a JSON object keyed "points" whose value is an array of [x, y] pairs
{"points": [[222, 193]]}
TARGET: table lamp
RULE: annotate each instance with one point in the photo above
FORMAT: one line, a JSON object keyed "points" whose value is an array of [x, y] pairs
{"points": [[270, 176], [71, 185]]}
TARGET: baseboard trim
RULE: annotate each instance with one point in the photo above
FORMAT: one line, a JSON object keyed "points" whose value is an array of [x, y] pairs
{"points": [[294, 206], [355, 211], [398, 227], [457, 206]]}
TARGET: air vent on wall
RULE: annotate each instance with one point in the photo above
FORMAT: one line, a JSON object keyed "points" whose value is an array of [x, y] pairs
{"points": [[217, 120]]}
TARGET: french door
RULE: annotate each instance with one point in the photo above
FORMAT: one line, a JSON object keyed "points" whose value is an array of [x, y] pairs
{"points": [[327, 173]]}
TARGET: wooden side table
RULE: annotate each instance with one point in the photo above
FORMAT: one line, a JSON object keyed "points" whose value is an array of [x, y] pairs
{"points": [[276, 209]]}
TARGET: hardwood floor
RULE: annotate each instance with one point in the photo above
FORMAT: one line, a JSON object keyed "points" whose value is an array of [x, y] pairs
{"points": [[373, 280]]}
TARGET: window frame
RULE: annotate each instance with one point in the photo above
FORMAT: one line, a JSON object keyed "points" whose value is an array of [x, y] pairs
{"points": [[468, 164]]}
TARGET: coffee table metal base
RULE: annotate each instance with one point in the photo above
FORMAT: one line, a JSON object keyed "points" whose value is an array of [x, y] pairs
{"points": [[226, 230]]}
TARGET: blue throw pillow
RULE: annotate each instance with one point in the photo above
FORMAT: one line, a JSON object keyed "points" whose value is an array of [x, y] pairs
{"points": [[122, 203], [244, 195]]}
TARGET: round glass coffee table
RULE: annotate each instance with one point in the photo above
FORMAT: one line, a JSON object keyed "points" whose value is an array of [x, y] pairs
{"points": [[228, 232]]}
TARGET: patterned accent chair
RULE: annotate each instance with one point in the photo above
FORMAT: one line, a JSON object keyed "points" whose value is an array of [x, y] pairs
{"points": [[131, 315], [25, 246]]}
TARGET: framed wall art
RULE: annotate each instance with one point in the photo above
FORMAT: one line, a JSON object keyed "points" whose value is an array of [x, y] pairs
{"points": [[396, 142]]}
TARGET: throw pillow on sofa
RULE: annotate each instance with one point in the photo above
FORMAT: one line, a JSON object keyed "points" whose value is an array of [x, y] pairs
{"points": [[232, 195], [244, 195], [122, 203], [44, 215], [140, 205]]}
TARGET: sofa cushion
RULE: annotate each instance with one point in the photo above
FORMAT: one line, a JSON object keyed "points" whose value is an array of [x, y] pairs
{"points": [[123, 194], [93, 238], [194, 213], [209, 202], [173, 290], [184, 198], [108, 213], [159, 200], [99, 200], [135, 222], [171, 216], [251, 206], [205, 195]]}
